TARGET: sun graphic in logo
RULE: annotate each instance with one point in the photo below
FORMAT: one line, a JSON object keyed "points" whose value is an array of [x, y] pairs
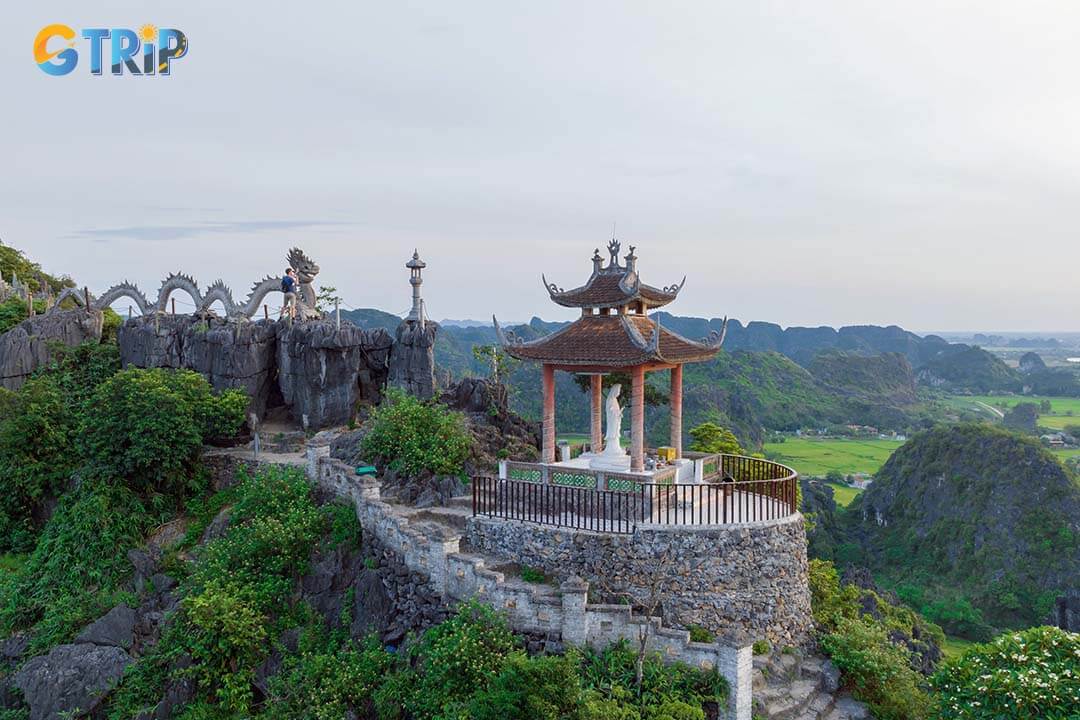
{"points": [[148, 33]]}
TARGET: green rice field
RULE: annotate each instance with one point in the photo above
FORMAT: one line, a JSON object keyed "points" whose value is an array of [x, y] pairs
{"points": [[817, 456], [844, 494], [1063, 410]]}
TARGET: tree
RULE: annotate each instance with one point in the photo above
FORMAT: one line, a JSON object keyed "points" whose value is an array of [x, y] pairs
{"points": [[1025, 675], [1023, 417], [327, 298], [36, 433], [708, 437], [13, 262], [502, 363], [148, 426], [835, 476], [412, 437]]}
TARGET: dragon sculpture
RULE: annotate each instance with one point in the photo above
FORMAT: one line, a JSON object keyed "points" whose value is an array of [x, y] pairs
{"points": [[306, 270]]}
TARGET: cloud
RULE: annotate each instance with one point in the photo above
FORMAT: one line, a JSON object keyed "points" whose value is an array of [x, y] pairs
{"points": [[163, 233]]}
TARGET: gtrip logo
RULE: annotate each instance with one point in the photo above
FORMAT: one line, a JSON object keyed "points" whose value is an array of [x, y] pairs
{"points": [[148, 51]]}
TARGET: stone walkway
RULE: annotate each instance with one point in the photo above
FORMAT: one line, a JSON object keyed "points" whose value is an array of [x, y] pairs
{"points": [[798, 687]]}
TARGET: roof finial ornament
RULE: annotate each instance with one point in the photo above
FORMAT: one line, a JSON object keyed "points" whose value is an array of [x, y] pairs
{"points": [[613, 249], [631, 260]]}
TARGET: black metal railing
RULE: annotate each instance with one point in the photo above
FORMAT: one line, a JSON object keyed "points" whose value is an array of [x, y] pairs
{"points": [[747, 490]]}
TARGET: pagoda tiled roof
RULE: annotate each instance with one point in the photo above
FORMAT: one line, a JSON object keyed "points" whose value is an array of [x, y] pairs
{"points": [[614, 340], [613, 286]]}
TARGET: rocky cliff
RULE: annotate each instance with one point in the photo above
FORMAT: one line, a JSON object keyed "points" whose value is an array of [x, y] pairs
{"points": [[230, 355], [27, 346], [319, 370], [315, 370], [973, 513], [412, 366]]}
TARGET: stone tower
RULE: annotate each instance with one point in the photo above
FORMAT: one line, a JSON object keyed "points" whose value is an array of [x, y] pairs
{"points": [[412, 361]]}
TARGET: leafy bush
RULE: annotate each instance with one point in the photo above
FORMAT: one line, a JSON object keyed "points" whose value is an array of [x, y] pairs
{"points": [[709, 437], [327, 679], [225, 634], [1028, 675], [700, 634], [761, 647], [148, 426], [239, 595], [674, 710], [458, 658], [77, 567], [38, 424], [612, 674], [411, 436], [36, 433], [879, 670], [542, 688], [531, 575]]}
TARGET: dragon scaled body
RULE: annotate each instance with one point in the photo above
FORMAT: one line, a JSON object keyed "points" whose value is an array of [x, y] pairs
{"points": [[306, 271]]}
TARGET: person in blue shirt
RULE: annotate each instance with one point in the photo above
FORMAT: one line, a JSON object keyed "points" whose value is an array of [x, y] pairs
{"points": [[288, 291]]}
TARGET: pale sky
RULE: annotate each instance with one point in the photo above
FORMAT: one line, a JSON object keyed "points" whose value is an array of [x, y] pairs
{"points": [[823, 163]]}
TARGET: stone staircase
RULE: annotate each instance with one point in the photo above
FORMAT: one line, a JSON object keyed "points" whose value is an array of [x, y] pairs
{"points": [[801, 687]]}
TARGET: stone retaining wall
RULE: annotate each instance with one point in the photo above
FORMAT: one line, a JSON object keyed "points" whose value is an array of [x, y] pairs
{"points": [[748, 579], [537, 609]]}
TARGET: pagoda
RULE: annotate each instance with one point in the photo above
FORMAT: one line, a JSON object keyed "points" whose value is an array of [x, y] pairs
{"points": [[614, 334]]}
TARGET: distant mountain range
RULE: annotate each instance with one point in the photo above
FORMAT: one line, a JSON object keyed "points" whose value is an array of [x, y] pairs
{"points": [[772, 378]]}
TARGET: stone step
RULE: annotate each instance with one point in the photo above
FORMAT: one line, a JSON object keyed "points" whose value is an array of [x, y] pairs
{"points": [[788, 703], [811, 668], [848, 708], [821, 705], [461, 501], [445, 516]]}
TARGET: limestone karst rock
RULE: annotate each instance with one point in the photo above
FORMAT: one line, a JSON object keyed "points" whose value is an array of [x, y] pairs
{"points": [[27, 346], [319, 369], [230, 355], [412, 362], [71, 678], [312, 368]]}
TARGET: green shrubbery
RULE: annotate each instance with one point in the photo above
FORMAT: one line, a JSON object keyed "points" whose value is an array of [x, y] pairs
{"points": [[411, 436], [38, 427], [67, 422], [708, 437], [878, 670], [238, 598], [1029, 675], [75, 571], [148, 426], [471, 668], [327, 678], [13, 312]]}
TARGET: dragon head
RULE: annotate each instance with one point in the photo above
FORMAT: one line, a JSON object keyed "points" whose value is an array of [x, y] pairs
{"points": [[304, 266]]}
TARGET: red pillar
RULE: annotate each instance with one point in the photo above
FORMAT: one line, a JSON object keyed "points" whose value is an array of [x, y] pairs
{"points": [[676, 410], [637, 419], [597, 436], [548, 445]]}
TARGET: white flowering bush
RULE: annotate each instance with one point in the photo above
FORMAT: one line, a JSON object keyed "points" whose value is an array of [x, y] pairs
{"points": [[1028, 675]]}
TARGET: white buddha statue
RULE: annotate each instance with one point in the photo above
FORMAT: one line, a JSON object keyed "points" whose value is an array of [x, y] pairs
{"points": [[613, 457]]}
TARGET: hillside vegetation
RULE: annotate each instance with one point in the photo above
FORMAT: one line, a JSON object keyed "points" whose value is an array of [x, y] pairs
{"points": [[974, 525]]}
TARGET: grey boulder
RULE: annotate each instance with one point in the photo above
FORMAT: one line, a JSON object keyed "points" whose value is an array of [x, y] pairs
{"points": [[115, 628], [72, 680]]}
